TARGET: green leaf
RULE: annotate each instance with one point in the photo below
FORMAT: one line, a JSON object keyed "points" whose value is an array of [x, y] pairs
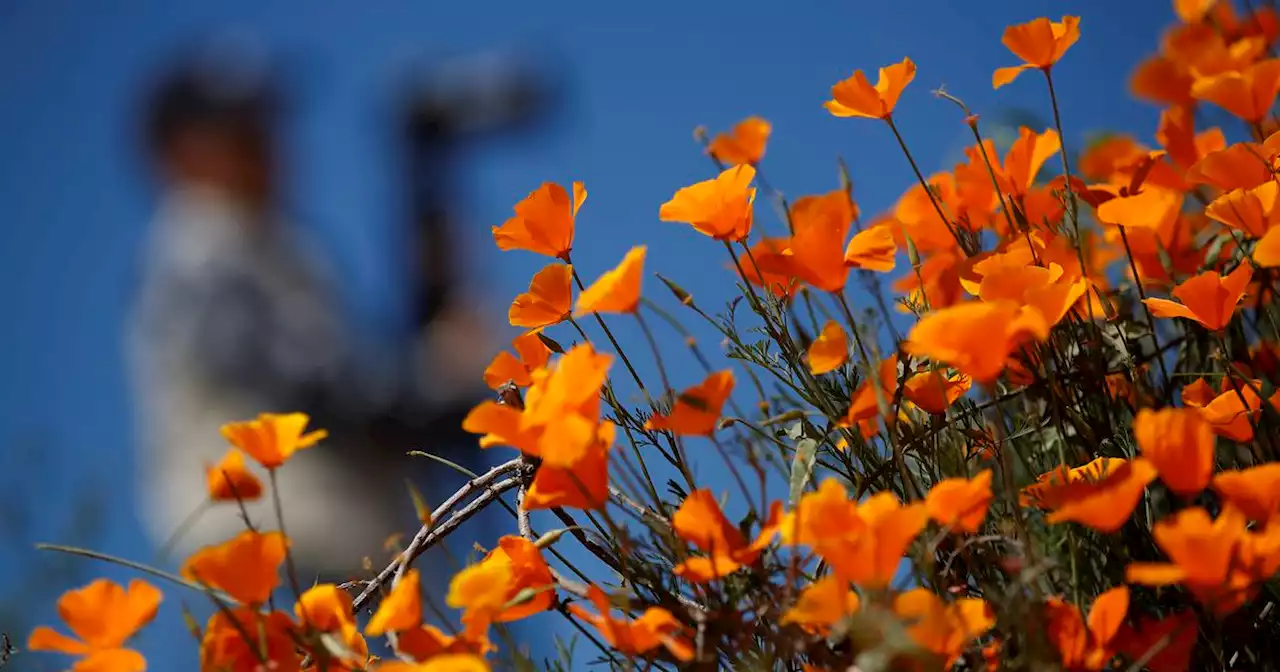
{"points": [[802, 467]]}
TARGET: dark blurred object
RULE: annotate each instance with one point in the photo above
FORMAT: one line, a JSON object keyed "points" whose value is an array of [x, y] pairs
{"points": [[445, 110], [236, 317], [216, 113]]}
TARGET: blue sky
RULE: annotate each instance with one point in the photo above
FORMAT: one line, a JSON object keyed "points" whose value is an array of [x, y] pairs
{"points": [[640, 76]]}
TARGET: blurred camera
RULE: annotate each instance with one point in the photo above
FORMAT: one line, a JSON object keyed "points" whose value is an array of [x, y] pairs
{"points": [[494, 92]]}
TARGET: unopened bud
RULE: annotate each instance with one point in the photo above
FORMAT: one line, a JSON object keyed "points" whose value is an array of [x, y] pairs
{"points": [[551, 343], [913, 254], [681, 295]]}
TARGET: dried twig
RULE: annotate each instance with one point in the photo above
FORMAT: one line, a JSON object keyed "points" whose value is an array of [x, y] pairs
{"points": [[430, 533]]}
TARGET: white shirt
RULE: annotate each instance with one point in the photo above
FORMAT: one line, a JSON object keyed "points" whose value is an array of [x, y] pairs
{"points": [[234, 316]]}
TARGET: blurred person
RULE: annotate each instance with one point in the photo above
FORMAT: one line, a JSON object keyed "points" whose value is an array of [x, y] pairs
{"points": [[237, 316]]}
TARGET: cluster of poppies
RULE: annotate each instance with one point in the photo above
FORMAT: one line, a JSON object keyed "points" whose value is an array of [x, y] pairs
{"points": [[1013, 281]]}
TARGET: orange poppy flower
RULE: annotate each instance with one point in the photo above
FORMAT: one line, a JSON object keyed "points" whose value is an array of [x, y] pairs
{"points": [[561, 417], [1267, 252], [1198, 393], [270, 636], [230, 479], [1192, 11], [544, 222], [976, 338], [824, 513], [720, 207], [1203, 557], [945, 630], [697, 409], [864, 406], [484, 590], [856, 97], [933, 392], [655, 627], [1177, 134], [1160, 79], [618, 290], [531, 355], [744, 144], [1248, 93], [937, 282], [821, 605], [585, 485], [1026, 156], [1179, 443], [548, 301], [1047, 290], [1232, 413], [446, 662], [1174, 241], [1254, 491], [574, 383], [829, 350], [246, 567], [351, 656], [915, 217], [1040, 43], [1172, 634], [1208, 298], [1238, 166], [777, 281], [1087, 646], [327, 608], [1152, 208], [700, 522], [400, 610], [864, 543], [872, 249], [272, 438], [1252, 211], [961, 503], [1106, 157], [428, 642], [103, 616], [1101, 494], [813, 253]]}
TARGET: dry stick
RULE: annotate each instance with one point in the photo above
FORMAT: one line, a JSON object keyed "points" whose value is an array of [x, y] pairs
{"points": [[430, 533]]}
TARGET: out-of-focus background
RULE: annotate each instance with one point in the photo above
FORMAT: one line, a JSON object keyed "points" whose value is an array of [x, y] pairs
{"points": [[605, 93]]}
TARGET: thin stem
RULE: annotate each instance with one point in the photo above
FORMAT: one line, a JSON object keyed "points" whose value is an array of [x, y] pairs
{"points": [[937, 207], [1142, 296], [181, 530], [290, 568], [609, 334], [115, 560]]}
